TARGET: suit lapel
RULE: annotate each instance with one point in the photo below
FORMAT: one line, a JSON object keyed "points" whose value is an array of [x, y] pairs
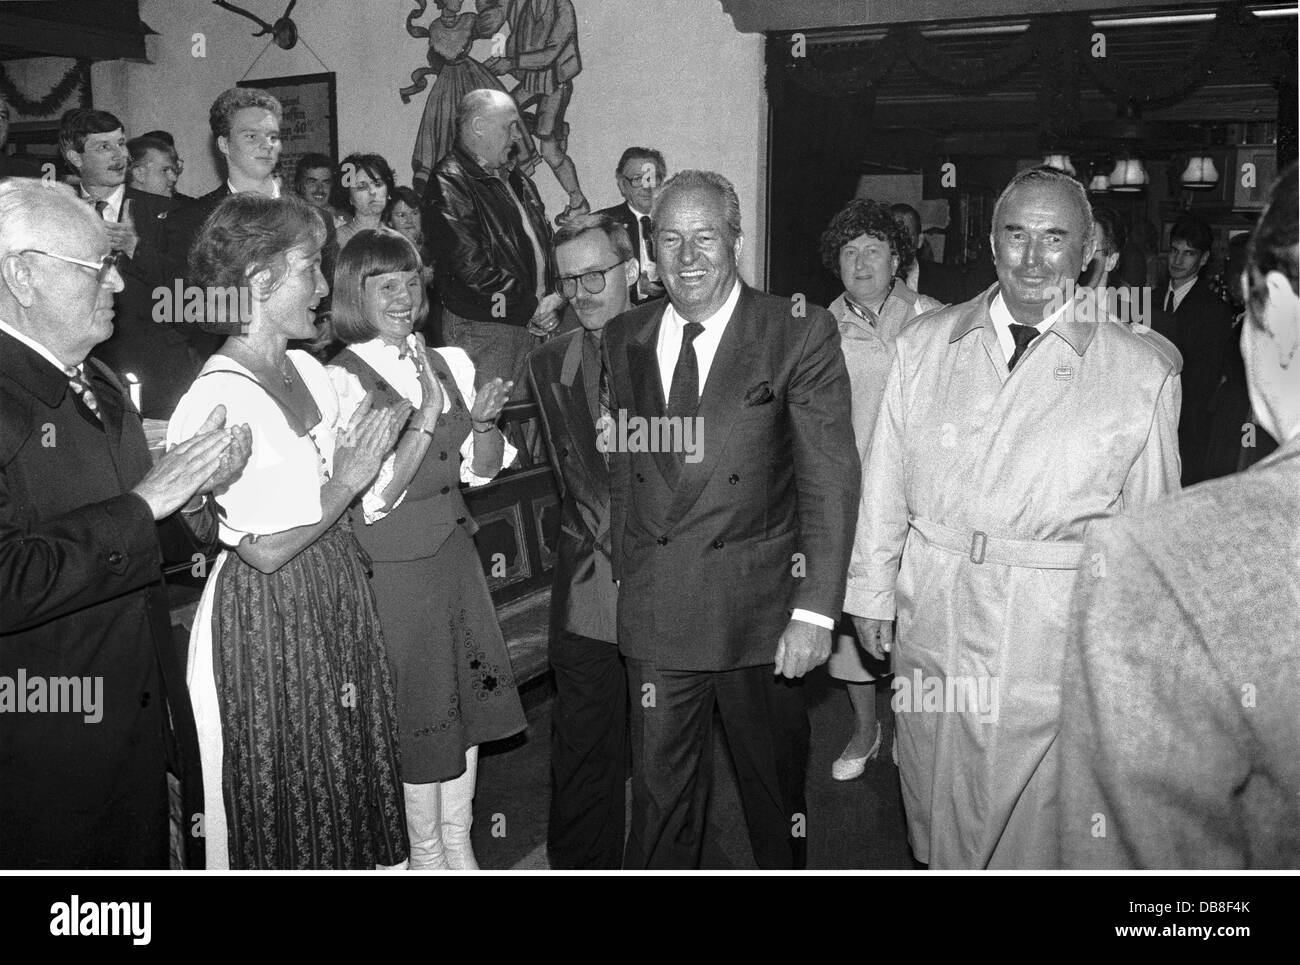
{"points": [[647, 384], [734, 367]]}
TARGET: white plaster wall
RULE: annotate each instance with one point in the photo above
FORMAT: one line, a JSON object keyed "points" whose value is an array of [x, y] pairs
{"points": [[671, 74]]}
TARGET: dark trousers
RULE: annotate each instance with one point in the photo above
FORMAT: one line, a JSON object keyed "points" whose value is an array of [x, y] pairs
{"points": [[588, 754], [766, 726]]}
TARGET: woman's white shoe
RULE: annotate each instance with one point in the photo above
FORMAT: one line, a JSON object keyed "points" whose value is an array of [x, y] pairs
{"points": [[847, 768]]}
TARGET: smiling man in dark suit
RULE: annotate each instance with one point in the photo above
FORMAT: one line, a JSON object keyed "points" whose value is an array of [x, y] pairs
{"points": [[588, 721], [732, 553], [158, 356], [84, 615]]}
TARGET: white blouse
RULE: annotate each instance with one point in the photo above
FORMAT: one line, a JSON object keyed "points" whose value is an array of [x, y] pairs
{"points": [[279, 488], [403, 376]]}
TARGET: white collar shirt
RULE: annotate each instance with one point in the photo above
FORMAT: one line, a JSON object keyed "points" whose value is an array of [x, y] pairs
{"points": [[1001, 318], [669, 345]]}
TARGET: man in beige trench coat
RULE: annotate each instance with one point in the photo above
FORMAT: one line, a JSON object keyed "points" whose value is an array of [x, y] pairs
{"points": [[1009, 423]]}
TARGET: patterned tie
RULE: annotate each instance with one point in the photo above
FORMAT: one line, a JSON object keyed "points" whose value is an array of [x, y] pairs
{"points": [[77, 381], [1023, 334], [1169, 300], [602, 395], [684, 394], [648, 236]]}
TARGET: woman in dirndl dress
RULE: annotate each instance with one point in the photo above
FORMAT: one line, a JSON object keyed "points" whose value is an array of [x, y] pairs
{"points": [[287, 672], [455, 687]]}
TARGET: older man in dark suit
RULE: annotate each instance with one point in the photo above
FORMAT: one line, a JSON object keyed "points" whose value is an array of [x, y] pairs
{"points": [[640, 173], [588, 721], [734, 495], [93, 709]]}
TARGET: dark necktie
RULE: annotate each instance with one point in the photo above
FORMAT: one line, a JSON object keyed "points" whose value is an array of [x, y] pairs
{"points": [[648, 237], [1169, 301], [684, 394], [1023, 334], [77, 382], [602, 396], [99, 206]]}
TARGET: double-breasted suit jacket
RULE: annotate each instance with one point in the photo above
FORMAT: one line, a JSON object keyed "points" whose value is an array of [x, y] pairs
{"points": [[762, 523]]}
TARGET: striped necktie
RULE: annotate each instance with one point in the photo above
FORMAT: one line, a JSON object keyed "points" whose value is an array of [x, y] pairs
{"points": [[78, 383]]}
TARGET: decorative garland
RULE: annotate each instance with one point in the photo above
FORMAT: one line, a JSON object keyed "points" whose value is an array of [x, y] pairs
{"points": [[46, 105], [846, 71]]}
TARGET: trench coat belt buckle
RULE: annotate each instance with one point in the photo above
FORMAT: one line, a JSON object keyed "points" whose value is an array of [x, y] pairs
{"points": [[981, 548]]}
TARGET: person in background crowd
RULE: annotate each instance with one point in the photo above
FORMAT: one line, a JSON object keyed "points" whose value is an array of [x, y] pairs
{"points": [[732, 560], [313, 181], [1237, 440], [79, 558], [863, 246], [12, 167], [598, 270], [639, 174], [362, 186], [403, 216], [287, 669], [1121, 303], [1139, 261], [152, 166], [245, 123], [1197, 321], [491, 243], [148, 347], [930, 278], [1179, 727], [983, 473], [166, 138], [451, 673]]}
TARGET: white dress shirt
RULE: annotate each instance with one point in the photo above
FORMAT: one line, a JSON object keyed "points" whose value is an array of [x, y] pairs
{"points": [[114, 210], [706, 343], [643, 254], [1181, 291], [1001, 316], [275, 188]]}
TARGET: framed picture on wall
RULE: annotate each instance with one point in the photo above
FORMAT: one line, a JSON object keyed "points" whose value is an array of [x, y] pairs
{"points": [[310, 121]]}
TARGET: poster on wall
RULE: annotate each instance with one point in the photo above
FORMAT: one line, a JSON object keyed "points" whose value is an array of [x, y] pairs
{"points": [[310, 121]]}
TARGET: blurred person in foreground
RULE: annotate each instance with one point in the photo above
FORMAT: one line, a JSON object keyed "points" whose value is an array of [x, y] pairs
{"points": [[1179, 728]]}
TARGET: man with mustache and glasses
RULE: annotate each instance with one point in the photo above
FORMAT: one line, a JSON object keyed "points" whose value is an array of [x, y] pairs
{"points": [[1009, 423], [596, 266], [731, 554]]}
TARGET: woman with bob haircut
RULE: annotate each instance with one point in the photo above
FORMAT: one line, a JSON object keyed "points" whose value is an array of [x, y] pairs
{"points": [[287, 673], [452, 675]]}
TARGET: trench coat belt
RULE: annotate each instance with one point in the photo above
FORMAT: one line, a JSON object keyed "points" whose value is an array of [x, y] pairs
{"points": [[982, 548]]}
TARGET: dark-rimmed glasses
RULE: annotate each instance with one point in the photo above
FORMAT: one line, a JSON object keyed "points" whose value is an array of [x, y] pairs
{"points": [[593, 282]]}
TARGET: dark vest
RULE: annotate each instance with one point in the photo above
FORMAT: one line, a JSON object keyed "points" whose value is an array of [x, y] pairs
{"points": [[433, 506]]}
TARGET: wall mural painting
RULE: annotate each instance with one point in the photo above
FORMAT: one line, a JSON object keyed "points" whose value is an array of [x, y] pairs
{"points": [[535, 45]]}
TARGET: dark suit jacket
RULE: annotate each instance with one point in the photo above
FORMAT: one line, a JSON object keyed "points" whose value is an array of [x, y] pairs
{"points": [[1200, 329], [764, 522], [159, 355], [179, 234], [583, 597], [83, 597], [945, 283], [625, 216]]}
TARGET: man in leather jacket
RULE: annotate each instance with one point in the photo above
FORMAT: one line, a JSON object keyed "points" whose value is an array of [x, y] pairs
{"points": [[491, 243]]}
